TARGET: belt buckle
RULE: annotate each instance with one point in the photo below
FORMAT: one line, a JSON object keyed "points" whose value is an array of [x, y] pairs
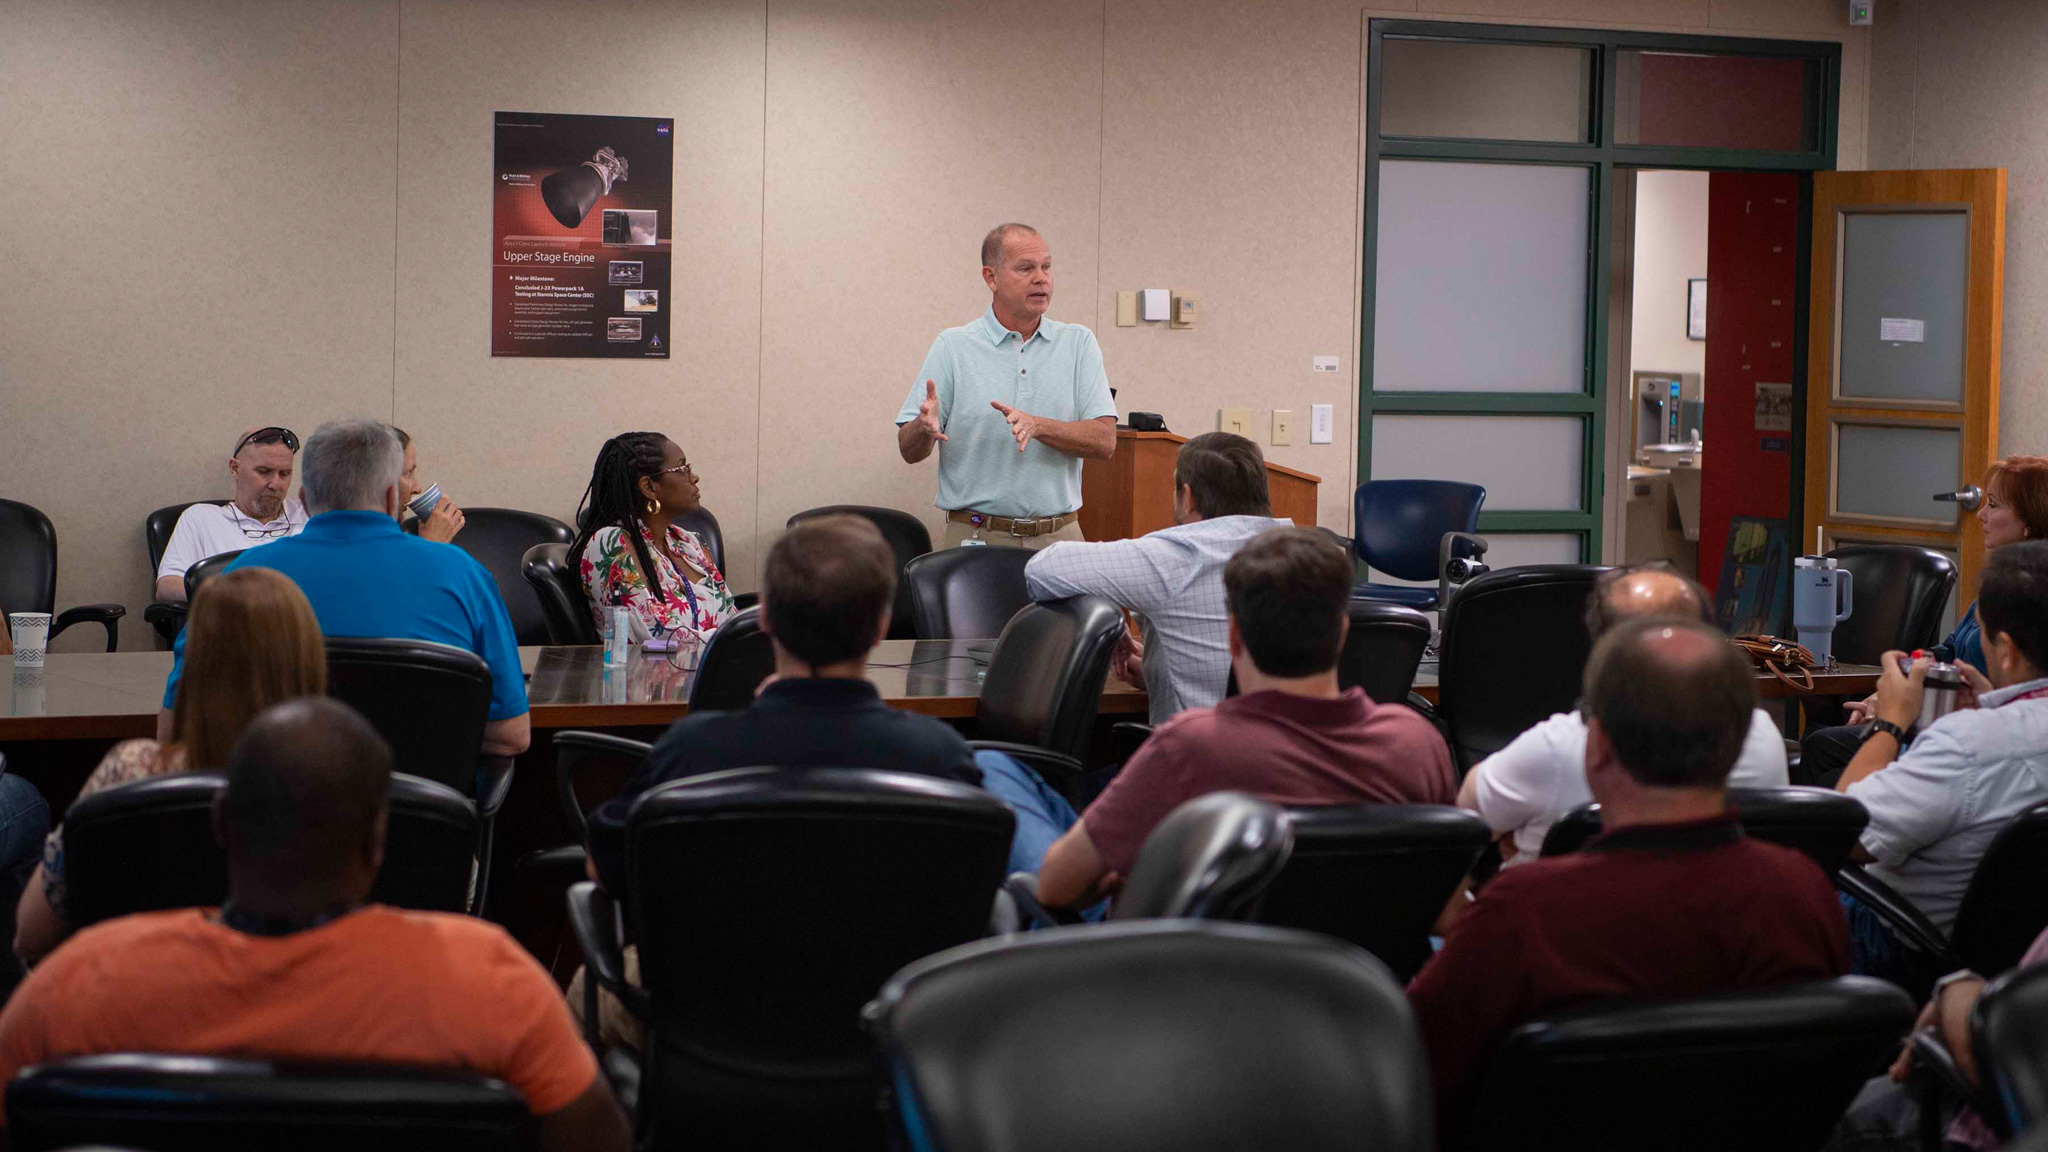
{"points": [[1031, 522]]}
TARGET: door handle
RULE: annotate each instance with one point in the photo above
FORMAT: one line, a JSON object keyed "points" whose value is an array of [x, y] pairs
{"points": [[1969, 499]]}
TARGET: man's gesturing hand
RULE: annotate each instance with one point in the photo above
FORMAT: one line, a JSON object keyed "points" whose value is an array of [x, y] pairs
{"points": [[928, 412], [1023, 425]]}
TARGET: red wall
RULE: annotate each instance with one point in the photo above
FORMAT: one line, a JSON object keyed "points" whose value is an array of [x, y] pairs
{"points": [[1752, 275]]}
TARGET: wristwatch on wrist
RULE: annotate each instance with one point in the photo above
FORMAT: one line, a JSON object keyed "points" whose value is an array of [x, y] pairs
{"points": [[1882, 725]]}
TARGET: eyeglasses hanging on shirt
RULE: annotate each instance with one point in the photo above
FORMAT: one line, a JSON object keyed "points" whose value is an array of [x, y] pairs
{"points": [[255, 529]]}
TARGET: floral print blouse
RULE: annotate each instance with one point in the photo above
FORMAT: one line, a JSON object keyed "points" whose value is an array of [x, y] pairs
{"points": [[611, 574]]}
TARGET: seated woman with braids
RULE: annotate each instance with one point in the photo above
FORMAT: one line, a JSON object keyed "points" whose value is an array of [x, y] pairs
{"points": [[639, 485]]}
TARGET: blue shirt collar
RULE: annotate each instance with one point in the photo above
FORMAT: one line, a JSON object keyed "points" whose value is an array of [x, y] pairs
{"points": [[348, 525], [997, 333], [1997, 696]]}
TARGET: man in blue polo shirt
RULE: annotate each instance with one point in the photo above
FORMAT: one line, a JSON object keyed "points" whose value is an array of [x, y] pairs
{"points": [[364, 577], [1013, 402]]}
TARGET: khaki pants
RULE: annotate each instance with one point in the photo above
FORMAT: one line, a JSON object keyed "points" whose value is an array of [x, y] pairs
{"points": [[956, 532], [615, 1025]]}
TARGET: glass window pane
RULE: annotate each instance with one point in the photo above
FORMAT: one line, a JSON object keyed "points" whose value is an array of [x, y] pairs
{"points": [[1894, 472], [1526, 463], [1904, 277], [1484, 91], [1702, 100], [1481, 278]]}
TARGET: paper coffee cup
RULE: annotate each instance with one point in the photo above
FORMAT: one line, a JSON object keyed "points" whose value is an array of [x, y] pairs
{"points": [[31, 634], [423, 505]]}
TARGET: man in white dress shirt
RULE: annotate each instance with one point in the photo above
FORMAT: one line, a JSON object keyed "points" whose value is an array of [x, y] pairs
{"points": [[1523, 788], [261, 467], [1174, 577]]}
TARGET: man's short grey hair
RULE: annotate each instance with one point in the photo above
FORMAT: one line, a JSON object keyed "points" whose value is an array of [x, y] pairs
{"points": [[348, 464], [992, 244]]}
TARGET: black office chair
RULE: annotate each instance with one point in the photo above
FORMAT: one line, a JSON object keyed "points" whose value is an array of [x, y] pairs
{"points": [[966, 593], [1210, 859], [591, 768], [431, 702], [1044, 681], [908, 538], [1822, 823], [193, 1103], [738, 657], [499, 539], [198, 574], [1381, 651], [769, 904], [564, 606], [28, 574], [1761, 1068], [1513, 652], [149, 845], [1376, 875], [1899, 592], [2004, 908], [705, 525], [164, 615], [2009, 1028], [1153, 1035]]}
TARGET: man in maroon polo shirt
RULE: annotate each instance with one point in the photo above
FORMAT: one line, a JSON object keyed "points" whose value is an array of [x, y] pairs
{"points": [[1291, 736], [1672, 901]]}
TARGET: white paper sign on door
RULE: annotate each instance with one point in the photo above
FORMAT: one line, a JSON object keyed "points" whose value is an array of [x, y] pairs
{"points": [[1902, 331]]}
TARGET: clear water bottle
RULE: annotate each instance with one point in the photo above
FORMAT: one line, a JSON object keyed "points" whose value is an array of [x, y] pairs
{"points": [[618, 633]]}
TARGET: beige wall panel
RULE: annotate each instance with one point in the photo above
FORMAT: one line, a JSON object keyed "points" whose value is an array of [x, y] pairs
{"points": [[899, 131], [1970, 78], [1820, 19], [1671, 248], [1892, 64], [1231, 169], [523, 433], [199, 197]]}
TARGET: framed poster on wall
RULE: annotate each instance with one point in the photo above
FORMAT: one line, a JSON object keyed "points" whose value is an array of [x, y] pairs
{"points": [[582, 223]]}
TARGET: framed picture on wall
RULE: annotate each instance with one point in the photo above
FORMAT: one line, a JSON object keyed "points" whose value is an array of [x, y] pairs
{"points": [[1696, 309]]}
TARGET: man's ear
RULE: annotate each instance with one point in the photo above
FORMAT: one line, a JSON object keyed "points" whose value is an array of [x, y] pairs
{"points": [[394, 499], [373, 842], [222, 834], [988, 277], [1236, 639]]}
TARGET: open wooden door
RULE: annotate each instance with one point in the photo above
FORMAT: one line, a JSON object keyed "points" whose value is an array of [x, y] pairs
{"points": [[1902, 381]]}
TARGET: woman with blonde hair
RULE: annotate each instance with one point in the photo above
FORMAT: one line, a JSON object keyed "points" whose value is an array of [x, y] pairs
{"points": [[251, 641]]}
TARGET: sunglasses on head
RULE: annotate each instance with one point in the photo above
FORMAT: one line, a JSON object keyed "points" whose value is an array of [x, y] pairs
{"points": [[271, 435]]}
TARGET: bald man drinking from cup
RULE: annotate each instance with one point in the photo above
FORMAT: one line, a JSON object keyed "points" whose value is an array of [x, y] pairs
{"points": [[1013, 402]]}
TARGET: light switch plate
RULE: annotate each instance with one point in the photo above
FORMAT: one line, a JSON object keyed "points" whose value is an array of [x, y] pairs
{"points": [[1183, 309], [1153, 304], [1238, 420], [1127, 309], [1283, 426], [1320, 419]]}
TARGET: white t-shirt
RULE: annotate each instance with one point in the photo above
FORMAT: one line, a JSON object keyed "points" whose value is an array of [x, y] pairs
{"points": [[208, 530], [1541, 775]]}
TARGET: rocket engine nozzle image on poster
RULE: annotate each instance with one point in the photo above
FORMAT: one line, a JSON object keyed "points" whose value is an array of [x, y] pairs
{"points": [[581, 215]]}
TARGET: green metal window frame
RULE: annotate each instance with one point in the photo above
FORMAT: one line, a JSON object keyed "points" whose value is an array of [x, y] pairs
{"points": [[1602, 155]]}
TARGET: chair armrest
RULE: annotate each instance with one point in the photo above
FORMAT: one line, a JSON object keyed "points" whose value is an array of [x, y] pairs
{"points": [[1060, 771], [104, 614], [1022, 888], [167, 617], [1932, 1058], [745, 600], [1127, 737], [593, 916], [493, 784], [1898, 914]]}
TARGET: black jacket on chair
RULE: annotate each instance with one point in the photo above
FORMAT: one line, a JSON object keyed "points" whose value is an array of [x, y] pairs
{"points": [[829, 723]]}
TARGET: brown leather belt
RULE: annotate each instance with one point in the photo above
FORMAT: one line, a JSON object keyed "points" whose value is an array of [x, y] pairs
{"points": [[1008, 526]]}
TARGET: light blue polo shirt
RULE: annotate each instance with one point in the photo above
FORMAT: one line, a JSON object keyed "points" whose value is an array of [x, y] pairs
{"points": [[1056, 374], [365, 577]]}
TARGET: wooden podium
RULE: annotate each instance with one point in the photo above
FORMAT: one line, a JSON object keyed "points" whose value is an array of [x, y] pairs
{"points": [[1131, 493]]}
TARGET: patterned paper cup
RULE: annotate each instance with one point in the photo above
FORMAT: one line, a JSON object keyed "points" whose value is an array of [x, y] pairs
{"points": [[31, 633]]}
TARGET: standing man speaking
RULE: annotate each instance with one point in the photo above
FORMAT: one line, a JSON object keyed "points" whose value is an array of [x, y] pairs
{"points": [[1014, 402]]}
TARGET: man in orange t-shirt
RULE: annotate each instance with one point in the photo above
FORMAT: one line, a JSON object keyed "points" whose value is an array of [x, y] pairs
{"points": [[295, 967]]}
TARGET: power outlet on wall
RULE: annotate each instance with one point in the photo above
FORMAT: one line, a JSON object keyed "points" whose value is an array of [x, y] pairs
{"points": [[1238, 420]]}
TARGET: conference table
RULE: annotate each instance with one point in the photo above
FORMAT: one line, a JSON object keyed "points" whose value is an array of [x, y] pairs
{"points": [[115, 695], [1841, 680]]}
